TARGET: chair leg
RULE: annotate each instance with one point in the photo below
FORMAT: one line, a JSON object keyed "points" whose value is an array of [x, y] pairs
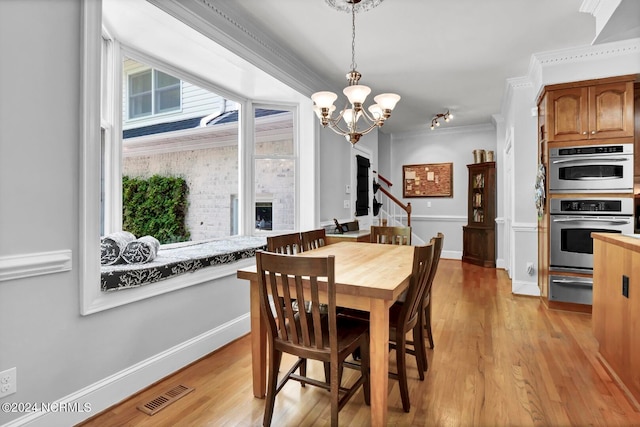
{"points": [[335, 387], [327, 372], [364, 370], [423, 366], [401, 362], [427, 320], [303, 371], [419, 350], [274, 366]]}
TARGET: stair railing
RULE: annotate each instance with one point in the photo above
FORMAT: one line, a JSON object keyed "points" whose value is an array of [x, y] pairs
{"points": [[395, 212]]}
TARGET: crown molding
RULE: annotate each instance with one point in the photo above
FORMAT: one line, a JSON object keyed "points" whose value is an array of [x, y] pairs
{"points": [[223, 23], [586, 53], [601, 53]]}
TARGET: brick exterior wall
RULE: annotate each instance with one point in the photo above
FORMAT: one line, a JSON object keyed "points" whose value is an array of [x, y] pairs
{"points": [[212, 177]]}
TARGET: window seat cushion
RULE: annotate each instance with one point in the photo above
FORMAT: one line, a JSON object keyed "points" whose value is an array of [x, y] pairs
{"points": [[180, 258]]}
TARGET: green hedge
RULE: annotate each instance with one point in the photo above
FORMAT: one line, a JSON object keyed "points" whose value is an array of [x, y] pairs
{"points": [[156, 207]]}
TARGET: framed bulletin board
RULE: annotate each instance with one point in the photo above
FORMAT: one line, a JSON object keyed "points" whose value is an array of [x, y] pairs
{"points": [[427, 180]]}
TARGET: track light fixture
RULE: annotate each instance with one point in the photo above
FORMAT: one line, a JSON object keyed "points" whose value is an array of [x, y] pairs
{"points": [[435, 122]]}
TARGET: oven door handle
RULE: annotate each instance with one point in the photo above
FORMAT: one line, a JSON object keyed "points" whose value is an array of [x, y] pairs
{"points": [[609, 221], [573, 282], [591, 159]]}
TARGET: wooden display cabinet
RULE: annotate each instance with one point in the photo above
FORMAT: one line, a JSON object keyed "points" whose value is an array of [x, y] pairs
{"points": [[479, 235]]}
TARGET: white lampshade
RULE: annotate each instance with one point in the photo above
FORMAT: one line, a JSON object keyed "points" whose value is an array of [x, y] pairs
{"points": [[318, 111], [376, 111], [324, 99], [357, 93], [387, 101], [347, 116]]}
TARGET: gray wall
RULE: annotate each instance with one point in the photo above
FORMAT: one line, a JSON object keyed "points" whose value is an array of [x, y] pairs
{"points": [[55, 349], [443, 145]]}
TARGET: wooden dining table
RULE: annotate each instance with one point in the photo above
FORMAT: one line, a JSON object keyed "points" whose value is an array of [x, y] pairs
{"points": [[368, 277]]}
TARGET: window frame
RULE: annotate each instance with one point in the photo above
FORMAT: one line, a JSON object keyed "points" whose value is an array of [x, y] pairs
{"points": [[153, 92], [93, 128], [295, 156]]}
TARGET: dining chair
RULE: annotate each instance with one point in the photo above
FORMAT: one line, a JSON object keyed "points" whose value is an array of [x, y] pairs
{"points": [[390, 235], [329, 339], [438, 243], [313, 239], [425, 309], [405, 317], [290, 244]]}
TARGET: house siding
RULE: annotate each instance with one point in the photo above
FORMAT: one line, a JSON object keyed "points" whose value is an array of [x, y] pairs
{"points": [[196, 101]]}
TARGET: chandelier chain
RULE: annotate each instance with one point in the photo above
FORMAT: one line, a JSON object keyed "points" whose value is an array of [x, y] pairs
{"points": [[353, 36]]}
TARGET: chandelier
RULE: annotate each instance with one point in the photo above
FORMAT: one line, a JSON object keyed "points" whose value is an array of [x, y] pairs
{"points": [[353, 121], [435, 122]]}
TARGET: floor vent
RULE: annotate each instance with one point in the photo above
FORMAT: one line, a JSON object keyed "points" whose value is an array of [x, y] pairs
{"points": [[158, 403]]}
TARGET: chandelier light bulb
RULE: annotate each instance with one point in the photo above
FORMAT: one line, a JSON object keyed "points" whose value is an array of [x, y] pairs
{"points": [[387, 101], [376, 111], [350, 118], [357, 94]]}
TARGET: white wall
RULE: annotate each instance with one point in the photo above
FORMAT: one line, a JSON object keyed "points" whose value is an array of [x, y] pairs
{"points": [[443, 145], [336, 171]]}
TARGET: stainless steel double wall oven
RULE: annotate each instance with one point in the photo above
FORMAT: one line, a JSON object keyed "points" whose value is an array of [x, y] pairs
{"points": [[586, 171]]}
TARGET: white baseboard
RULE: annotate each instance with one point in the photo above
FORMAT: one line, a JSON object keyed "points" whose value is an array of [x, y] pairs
{"points": [[115, 388], [520, 287], [451, 254]]}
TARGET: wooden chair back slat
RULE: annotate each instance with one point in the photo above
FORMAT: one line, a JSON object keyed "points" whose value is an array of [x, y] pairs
{"points": [[289, 244], [390, 235], [285, 275], [313, 239]]}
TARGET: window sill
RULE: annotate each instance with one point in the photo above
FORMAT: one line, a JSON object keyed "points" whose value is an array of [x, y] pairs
{"points": [[95, 300], [178, 259]]}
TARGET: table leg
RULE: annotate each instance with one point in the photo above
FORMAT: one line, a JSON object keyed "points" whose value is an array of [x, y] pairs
{"points": [[379, 360], [258, 344]]}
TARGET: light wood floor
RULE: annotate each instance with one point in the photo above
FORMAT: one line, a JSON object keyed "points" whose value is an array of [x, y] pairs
{"points": [[499, 360]]}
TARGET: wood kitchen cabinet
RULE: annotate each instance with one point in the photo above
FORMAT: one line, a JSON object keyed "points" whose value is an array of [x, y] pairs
{"points": [[479, 241], [590, 112], [616, 306], [593, 109]]}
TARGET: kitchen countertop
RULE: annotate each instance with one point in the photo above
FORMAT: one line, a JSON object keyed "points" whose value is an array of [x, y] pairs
{"points": [[627, 241]]}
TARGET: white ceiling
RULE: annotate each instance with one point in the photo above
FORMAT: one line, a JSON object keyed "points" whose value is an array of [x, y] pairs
{"points": [[454, 54]]}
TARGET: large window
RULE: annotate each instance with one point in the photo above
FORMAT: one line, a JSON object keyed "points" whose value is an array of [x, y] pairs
{"points": [[198, 143], [114, 144]]}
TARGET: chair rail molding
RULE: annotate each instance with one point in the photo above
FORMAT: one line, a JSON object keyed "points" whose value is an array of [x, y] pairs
{"points": [[34, 264]]}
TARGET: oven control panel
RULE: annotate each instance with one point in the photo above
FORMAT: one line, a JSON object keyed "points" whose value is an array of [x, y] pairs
{"points": [[605, 206], [584, 150]]}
